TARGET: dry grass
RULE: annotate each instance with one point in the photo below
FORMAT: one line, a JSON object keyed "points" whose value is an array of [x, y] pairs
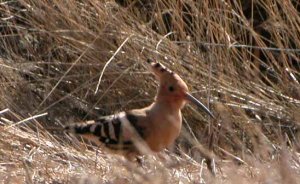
{"points": [[242, 58]]}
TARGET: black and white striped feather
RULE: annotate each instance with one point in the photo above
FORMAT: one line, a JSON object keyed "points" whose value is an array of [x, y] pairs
{"points": [[116, 132]]}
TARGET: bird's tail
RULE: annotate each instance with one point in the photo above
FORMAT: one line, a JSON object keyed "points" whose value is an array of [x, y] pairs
{"points": [[81, 128]]}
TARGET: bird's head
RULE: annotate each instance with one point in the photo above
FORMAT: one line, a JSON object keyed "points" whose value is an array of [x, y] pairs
{"points": [[172, 89]]}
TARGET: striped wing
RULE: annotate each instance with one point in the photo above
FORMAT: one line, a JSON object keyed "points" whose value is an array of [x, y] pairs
{"points": [[116, 132]]}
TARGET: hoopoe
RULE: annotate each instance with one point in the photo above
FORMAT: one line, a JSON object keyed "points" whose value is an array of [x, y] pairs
{"points": [[157, 125]]}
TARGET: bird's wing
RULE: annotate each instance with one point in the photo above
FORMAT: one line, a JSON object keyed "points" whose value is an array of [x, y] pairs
{"points": [[117, 132]]}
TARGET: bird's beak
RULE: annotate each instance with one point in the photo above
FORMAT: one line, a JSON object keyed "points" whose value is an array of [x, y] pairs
{"points": [[194, 100]]}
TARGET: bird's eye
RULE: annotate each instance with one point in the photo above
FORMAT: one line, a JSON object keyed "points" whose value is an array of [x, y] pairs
{"points": [[171, 88]]}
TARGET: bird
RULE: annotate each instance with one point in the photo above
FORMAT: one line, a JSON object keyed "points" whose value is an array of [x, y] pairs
{"points": [[147, 130]]}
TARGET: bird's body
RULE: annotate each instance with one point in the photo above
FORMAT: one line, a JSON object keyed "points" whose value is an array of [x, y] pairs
{"points": [[150, 129], [164, 133]]}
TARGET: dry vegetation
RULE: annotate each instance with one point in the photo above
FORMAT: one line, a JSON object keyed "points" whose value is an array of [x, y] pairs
{"points": [[240, 56]]}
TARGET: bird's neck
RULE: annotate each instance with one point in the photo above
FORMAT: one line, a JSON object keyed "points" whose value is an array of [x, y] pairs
{"points": [[171, 103], [169, 114]]}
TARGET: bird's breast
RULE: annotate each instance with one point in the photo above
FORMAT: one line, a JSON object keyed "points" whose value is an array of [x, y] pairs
{"points": [[164, 130]]}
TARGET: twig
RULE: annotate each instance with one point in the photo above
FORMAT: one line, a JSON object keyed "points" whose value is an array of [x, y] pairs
{"points": [[107, 63], [159, 42], [24, 120], [233, 156], [4, 111], [241, 46]]}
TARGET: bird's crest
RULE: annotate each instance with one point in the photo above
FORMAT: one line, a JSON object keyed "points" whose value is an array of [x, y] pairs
{"points": [[171, 87], [159, 69]]}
